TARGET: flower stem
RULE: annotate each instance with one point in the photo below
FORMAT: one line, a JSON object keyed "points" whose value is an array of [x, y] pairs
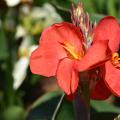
{"points": [[82, 100], [58, 106]]}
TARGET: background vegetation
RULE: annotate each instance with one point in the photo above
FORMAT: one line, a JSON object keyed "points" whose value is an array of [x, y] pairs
{"points": [[24, 96]]}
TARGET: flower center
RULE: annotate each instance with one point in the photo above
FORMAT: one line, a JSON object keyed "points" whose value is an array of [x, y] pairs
{"points": [[116, 60], [71, 50]]}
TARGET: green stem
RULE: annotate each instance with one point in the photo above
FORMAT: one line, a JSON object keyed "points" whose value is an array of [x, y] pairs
{"points": [[57, 108]]}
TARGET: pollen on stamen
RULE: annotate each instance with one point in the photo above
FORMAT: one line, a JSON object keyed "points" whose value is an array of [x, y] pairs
{"points": [[71, 50], [116, 60]]}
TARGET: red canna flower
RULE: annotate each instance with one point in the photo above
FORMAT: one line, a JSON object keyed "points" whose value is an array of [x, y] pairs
{"points": [[107, 73], [66, 49], [60, 53], [60, 45], [111, 69]]}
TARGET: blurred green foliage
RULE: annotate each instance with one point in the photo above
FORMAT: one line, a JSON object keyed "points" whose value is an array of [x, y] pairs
{"points": [[30, 100]]}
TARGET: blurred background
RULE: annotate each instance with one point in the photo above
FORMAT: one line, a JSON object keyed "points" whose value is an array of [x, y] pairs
{"points": [[24, 96]]}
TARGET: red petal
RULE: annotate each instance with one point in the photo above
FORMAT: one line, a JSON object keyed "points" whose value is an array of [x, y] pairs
{"points": [[45, 66], [108, 29], [100, 92], [69, 32], [67, 77], [112, 78], [96, 54], [45, 58]]}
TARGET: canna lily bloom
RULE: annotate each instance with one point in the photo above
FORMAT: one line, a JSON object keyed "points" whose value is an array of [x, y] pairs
{"points": [[107, 73], [62, 50]]}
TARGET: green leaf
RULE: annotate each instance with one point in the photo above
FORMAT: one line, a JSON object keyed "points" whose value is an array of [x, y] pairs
{"points": [[100, 5], [103, 106], [40, 2], [3, 43], [45, 98], [63, 4], [43, 108], [96, 17], [88, 5], [111, 8], [65, 111], [75, 1]]}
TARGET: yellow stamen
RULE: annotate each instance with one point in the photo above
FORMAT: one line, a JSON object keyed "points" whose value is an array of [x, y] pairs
{"points": [[116, 60], [72, 52]]}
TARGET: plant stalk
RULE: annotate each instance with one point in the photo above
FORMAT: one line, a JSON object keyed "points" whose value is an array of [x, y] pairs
{"points": [[82, 99]]}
